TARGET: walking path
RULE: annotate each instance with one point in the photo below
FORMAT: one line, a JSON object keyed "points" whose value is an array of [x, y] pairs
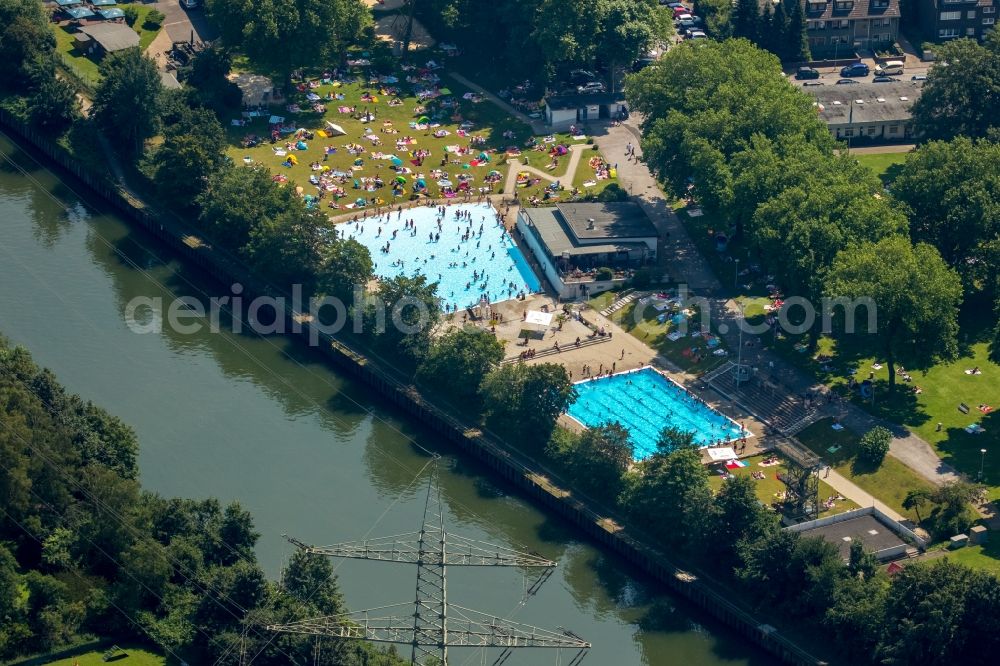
{"points": [[849, 489]]}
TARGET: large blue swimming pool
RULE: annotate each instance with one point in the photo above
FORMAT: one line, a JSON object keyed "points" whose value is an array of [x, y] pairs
{"points": [[645, 402], [487, 264]]}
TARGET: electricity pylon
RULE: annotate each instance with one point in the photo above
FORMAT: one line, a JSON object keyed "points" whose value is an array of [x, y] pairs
{"points": [[433, 625]]}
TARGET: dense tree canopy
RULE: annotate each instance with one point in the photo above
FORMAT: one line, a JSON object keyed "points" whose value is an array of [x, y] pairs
{"points": [[962, 92], [707, 101], [951, 191], [596, 460], [282, 35], [916, 296], [25, 41], [126, 104], [191, 152], [458, 361], [523, 401]]}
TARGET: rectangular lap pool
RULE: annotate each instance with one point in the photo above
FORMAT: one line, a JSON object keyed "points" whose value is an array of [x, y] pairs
{"points": [[486, 264], [645, 402]]}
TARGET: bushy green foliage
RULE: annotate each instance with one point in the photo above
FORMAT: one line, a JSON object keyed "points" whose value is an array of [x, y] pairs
{"points": [[457, 362], [523, 401], [127, 101], [874, 446]]}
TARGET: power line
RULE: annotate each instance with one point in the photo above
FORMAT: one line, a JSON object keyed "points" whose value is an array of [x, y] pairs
{"points": [[434, 624]]}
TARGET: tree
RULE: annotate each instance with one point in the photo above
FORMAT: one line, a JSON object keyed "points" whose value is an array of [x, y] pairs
{"points": [[951, 191], [862, 563], [802, 229], [54, 104], [283, 35], [458, 361], [796, 38], [25, 39], [672, 439], [915, 294], [669, 495], [717, 15], [126, 103], [937, 614], [962, 91], [566, 31], [288, 249], [192, 150], [596, 460], [706, 102], [627, 31], [346, 264], [524, 401], [952, 511], [237, 199], [737, 516], [797, 574], [403, 315], [208, 77], [874, 446], [746, 19]]}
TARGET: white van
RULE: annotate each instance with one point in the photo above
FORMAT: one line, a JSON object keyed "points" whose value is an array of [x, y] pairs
{"points": [[890, 68]]}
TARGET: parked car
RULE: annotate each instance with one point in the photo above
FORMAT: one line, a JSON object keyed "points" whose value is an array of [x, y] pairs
{"points": [[804, 73], [918, 77], [697, 34], [884, 79], [844, 82], [681, 10], [814, 83], [855, 69], [592, 87], [890, 68], [679, 18]]}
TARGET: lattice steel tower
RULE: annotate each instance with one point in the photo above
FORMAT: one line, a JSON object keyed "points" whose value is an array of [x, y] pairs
{"points": [[434, 624]]}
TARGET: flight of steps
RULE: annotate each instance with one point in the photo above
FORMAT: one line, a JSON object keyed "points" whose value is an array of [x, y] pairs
{"points": [[782, 411], [622, 301]]}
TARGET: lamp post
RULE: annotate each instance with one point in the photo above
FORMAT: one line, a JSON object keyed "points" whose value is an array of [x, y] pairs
{"points": [[982, 463]]}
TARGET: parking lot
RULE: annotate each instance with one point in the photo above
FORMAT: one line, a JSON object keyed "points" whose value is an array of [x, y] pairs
{"points": [[179, 22]]}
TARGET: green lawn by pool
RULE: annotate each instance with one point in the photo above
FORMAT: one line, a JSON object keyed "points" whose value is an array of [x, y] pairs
{"points": [[456, 119], [770, 486], [888, 483]]}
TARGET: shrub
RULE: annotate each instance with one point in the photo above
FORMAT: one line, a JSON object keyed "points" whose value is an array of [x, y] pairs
{"points": [[875, 445], [605, 273], [642, 278], [154, 19], [590, 141], [131, 14], [613, 192]]}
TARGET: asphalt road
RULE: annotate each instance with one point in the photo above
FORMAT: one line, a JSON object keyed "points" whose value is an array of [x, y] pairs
{"points": [[830, 75], [179, 22]]}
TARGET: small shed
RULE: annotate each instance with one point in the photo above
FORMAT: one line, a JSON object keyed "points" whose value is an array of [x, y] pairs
{"points": [[111, 37], [561, 111]]}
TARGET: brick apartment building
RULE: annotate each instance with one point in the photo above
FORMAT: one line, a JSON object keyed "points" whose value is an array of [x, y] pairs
{"points": [[941, 20], [840, 28]]}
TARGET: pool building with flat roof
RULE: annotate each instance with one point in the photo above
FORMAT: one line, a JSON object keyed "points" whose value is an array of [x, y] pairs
{"points": [[570, 241]]}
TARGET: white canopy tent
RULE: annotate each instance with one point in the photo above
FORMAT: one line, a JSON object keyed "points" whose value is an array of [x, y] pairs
{"points": [[537, 318], [723, 454], [334, 129]]}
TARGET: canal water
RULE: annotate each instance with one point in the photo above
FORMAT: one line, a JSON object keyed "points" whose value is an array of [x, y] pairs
{"points": [[308, 452]]}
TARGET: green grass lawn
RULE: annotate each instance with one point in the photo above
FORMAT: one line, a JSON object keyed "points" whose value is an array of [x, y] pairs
{"points": [[770, 487], [986, 556], [83, 66], [889, 482], [488, 122], [691, 354], [885, 165], [136, 657], [943, 387]]}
